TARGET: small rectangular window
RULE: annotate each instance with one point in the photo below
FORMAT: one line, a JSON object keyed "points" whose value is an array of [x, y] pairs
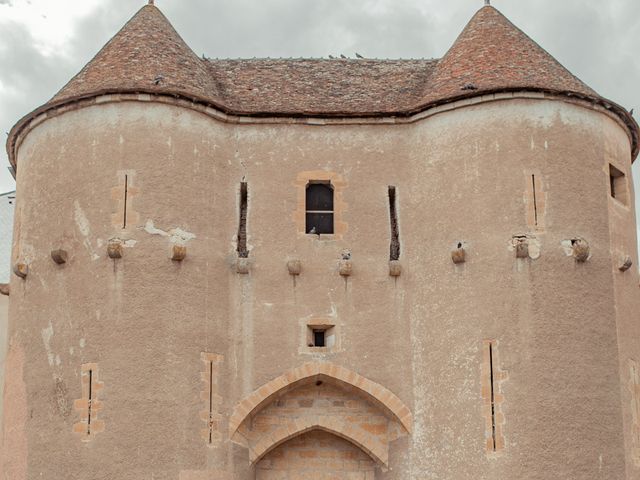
{"points": [[319, 338], [618, 185], [319, 208]]}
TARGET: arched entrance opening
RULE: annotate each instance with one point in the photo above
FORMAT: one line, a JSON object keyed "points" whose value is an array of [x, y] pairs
{"points": [[309, 413], [318, 455]]}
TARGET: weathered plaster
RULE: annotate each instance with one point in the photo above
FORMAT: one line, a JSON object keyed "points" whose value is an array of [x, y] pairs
{"points": [[565, 329]]}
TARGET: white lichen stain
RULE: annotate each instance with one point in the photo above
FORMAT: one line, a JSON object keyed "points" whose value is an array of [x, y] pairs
{"points": [[534, 248], [47, 334], [82, 343], [567, 246], [175, 235], [85, 229], [129, 243], [546, 145]]}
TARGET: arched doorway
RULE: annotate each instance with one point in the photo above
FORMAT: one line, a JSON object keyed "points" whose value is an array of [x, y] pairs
{"points": [[316, 455], [314, 412]]}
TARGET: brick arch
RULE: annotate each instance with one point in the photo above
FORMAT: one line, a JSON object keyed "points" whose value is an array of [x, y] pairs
{"points": [[384, 398], [335, 425]]}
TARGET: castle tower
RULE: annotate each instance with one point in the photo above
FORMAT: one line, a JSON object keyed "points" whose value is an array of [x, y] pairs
{"points": [[356, 269]]}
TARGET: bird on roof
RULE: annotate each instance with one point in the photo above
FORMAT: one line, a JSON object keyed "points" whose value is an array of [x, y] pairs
{"points": [[358, 55], [631, 112], [158, 80], [331, 57], [342, 56]]}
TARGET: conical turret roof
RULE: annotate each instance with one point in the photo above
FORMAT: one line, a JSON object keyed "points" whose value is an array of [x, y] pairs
{"points": [[492, 54], [146, 54]]}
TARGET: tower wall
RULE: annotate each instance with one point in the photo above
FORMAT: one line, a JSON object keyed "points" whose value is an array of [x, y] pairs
{"points": [[174, 347]]}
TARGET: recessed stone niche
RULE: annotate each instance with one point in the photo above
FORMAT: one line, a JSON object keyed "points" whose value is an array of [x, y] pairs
{"points": [[59, 256]]}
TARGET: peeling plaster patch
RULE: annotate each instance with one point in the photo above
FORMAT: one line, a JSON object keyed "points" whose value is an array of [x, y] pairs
{"points": [[152, 230], [129, 243], [175, 235], [567, 247], [83, 225], [81, 219], [47, 334], [534, 248], [27, 253], [83, 343]]}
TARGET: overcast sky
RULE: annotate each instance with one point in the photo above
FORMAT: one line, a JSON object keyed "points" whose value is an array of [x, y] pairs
{"points": [[43, 43]]}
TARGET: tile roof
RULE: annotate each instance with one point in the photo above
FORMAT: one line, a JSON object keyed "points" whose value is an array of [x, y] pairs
{"points": [[491, 55], [147, 53], [308, 86]]}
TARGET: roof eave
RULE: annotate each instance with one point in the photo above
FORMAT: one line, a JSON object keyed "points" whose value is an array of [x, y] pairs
{"points": [[626, 118]]}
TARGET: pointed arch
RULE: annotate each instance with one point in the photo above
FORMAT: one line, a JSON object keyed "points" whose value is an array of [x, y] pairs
{"points": [[382, 397], [295, 427]]}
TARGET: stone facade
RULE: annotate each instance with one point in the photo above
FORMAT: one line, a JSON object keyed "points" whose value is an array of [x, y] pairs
{"points": [[197, 331]]}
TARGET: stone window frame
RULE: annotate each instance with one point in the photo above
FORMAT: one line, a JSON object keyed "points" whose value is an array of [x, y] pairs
{"points": [[339, 206]]}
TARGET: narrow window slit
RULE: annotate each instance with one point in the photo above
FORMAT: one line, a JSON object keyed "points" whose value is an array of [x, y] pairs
{"points": [[535, 200], [210, 402], [126, 192], [394, 249], [89, 400], [493, 398], [319, 338], [242, 227]]}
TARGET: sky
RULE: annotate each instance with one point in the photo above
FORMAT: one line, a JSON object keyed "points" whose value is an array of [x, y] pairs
{"points": [[43, 43]]}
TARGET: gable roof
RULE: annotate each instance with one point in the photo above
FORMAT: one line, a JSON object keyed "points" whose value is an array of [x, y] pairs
{"points": [[491, 55]]}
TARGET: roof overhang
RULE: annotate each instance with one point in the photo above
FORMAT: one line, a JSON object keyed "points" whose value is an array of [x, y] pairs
{"points": [[56, 108]]}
